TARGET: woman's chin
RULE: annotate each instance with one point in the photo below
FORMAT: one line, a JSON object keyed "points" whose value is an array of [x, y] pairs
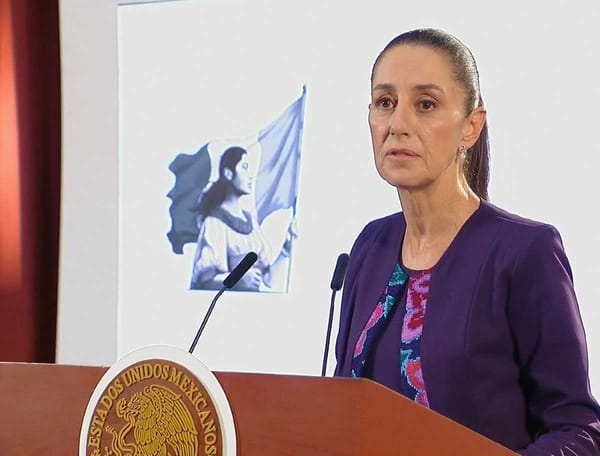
{"points": [[401, 180]]}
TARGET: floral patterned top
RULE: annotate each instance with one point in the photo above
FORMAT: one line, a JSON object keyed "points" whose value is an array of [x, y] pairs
{"points": [[379, 344]]}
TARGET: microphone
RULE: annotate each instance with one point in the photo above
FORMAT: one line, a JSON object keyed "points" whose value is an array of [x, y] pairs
{"points": [[339, 272], [241, 269], [336, 284], [229, 282]]}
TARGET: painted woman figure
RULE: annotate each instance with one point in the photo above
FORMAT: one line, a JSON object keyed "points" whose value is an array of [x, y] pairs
{"points": [[228, 231]]}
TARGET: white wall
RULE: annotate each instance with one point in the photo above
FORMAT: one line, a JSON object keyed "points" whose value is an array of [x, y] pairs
{"points": [[193, 71]]}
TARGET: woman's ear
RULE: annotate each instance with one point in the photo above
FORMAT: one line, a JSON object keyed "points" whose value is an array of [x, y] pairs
{"points": [[228, 174], [474, 125]]}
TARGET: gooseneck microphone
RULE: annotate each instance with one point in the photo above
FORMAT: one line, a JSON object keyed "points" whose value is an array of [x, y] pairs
{"points": [[229, 282], [241, 269], [336, 284]]}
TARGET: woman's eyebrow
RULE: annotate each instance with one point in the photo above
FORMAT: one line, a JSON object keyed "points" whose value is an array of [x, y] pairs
{"points": [[431, 86], [386, 86], [383, 86]]}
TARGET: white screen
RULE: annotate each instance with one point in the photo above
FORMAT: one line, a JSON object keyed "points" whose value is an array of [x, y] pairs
{"points": [[144, 82]]}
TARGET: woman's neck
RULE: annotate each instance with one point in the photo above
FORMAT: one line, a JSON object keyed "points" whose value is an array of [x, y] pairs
{"points": [[231, 204], [434, 216]]}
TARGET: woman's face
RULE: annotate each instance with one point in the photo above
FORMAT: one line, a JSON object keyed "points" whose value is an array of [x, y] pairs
{"points": [[242, 178], [417, 118]]}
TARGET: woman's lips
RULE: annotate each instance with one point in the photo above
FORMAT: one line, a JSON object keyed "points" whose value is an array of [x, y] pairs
{"points": [[401, 153]]}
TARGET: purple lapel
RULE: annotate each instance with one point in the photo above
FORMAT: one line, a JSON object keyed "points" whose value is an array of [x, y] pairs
{"points": [[378, 264]]}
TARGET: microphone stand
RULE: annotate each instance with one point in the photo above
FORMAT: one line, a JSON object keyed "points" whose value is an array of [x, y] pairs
{"points": [[324, 366], [229, 282], [208, 312], [336, 284]]}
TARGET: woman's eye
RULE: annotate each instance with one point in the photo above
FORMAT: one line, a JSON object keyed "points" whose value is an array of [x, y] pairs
{"points": [[385, 103], [426, 105]]}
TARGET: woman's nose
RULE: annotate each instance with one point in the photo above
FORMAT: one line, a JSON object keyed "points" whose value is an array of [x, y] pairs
{"points": [[399, 122]]}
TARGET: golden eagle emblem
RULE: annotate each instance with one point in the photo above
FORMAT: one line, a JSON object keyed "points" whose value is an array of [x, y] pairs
{"points": [[161, 425]]}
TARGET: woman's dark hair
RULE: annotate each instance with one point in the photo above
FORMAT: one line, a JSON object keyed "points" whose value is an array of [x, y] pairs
{"points": [[477, 159], [216, 194]]}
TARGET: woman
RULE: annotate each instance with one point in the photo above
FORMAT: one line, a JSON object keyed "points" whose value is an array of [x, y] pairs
{"points": [[453, 302], [227, 231]]}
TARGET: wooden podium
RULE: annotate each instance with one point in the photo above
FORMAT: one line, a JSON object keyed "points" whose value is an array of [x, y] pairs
{"points": [[42, 408]]}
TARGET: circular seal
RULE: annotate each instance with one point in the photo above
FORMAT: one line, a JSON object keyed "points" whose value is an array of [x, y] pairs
{"points": [[158, 400]]}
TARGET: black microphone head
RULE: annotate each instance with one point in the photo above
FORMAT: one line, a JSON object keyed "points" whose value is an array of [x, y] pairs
{"points": [[241, 269], [340, 272]]}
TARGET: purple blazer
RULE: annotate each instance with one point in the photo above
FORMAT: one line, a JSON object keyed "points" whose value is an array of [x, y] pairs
{"points": [[503, 348]]}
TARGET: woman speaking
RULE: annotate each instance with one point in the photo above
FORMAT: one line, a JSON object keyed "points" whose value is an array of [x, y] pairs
{"points": [[454, 302]]}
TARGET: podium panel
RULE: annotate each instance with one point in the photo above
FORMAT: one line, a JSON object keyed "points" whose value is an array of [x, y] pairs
{"points": [[42, 408]]}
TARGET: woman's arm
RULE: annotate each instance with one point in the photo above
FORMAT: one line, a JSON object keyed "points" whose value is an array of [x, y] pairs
{"points": [[563, 417]]}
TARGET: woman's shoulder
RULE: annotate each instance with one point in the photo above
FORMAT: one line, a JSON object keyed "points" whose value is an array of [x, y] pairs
{"points": [[222, 219], [383, 229], [384, 224], [515, 231], [511, 223], [491, 218]]}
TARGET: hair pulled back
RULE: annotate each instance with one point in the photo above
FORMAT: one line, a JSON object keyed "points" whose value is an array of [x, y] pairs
{"points": [[477, 159], [216, 194]]}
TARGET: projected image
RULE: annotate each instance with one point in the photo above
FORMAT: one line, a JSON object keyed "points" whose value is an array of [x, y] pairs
{"points": [[234, 196]]}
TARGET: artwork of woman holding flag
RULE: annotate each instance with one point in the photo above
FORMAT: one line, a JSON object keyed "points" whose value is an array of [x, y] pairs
{"points": [[240, 196], [228, 231]]}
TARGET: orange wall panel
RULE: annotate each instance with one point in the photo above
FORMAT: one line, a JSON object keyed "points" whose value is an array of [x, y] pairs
{"points": [[10, 213]]}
